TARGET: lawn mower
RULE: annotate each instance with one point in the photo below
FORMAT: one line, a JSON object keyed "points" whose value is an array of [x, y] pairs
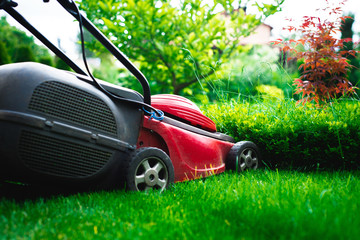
{"points": [[66, 128]]}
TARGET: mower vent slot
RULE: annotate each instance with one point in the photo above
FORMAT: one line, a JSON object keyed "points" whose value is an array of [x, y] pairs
{"points": [[66, 102], [60, 158]]}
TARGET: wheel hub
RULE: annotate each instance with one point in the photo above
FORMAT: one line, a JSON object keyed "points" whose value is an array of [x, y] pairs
{"points": [[151, 177], [249, 161]]}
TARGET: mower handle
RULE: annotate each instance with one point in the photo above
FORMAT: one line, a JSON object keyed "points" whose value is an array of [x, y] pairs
{"points": [[69, 6], [7, 3]]}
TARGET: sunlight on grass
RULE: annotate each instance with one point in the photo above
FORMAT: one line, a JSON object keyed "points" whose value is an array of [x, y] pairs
{"points": [[261, 205]]}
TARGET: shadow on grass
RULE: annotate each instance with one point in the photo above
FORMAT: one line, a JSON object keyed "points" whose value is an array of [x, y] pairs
{"points": [[24, 192]]}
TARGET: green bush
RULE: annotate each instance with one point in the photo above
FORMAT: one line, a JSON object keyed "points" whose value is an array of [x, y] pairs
{"points": [[4, 56], [24, 54], [294, 136], [60, 64], [17, 46], [270, 93], [46, 60]]}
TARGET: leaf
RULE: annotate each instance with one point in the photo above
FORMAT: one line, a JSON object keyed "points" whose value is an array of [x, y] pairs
{"points": [[108, 23], [191, 37], [276, 42]]}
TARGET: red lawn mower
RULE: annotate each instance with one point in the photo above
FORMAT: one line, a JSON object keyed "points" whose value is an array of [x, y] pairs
{"points": [[69, 129]]}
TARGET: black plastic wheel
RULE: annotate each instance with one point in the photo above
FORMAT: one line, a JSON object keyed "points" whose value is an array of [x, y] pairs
{"points": [[149, 168], [243, 156]]}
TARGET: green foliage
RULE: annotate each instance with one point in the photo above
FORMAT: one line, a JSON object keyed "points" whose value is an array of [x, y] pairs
{"points": [[252, 205], [175, 45], [107, 71], [347, 34], [270, 93], [295, 136], [23, 54], [4, 56], [46, 60], [19, 46], [269, 9], [60, 64], [255, 66]]}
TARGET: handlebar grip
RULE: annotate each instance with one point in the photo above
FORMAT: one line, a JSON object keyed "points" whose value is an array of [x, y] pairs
{"points": [[7, 3]]}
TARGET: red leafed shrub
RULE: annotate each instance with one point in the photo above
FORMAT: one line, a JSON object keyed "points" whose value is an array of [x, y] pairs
{"points": [[325, 66]]}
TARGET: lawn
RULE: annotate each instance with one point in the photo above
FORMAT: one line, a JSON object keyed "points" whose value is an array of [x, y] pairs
{"points": [[253, 205]]}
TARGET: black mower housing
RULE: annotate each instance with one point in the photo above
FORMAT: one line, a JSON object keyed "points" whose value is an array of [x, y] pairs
{"points": [[57, 126]]}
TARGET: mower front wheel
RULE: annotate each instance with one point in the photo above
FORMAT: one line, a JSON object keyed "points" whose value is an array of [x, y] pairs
{"points": [[243, 156], [149, 168]]}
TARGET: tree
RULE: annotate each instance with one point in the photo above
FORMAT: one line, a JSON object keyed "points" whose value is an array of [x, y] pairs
{"points": [[175, 45], [46, 60], [347, 34], [324, 69], [19, 46], [4, 56], [24, 54], [60, 64]]}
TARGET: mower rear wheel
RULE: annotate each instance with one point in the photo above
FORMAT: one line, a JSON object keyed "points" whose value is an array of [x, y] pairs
{"points": [[243, 156], [149, 168]]}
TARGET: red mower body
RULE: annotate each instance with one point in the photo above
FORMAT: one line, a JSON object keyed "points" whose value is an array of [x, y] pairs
{"points": [[193, 154], [181, 108]]}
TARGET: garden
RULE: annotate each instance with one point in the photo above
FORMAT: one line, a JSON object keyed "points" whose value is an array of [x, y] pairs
{"points": [[296, 98]]}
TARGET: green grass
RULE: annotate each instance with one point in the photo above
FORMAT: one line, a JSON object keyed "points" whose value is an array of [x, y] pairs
{"points": [[253, 205]]}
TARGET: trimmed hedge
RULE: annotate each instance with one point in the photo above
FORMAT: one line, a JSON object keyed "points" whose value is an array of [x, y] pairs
{"points": [[295, 136]]}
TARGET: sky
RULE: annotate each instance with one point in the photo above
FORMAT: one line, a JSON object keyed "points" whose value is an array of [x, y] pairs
{"points": [[296, 9], [51, 20], [55, 23]]}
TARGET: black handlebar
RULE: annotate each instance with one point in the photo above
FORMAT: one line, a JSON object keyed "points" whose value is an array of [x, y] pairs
{"points": [[7, 3], [69, 6]]}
